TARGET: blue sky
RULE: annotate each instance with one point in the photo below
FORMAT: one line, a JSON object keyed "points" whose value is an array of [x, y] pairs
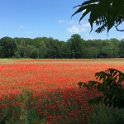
{"points": [[50, 18]]}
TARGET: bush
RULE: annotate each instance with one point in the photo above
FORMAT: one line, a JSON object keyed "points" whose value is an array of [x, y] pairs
{"points": [[102, 114]]}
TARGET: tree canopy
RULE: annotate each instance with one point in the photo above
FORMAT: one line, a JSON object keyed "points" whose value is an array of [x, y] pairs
{"points": [[74, 47], [105, 14]]}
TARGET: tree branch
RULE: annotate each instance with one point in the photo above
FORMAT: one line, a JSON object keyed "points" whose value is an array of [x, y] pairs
{"points": [[116, 26]]}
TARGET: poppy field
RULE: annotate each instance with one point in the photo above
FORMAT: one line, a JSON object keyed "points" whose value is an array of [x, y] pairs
{"points": [[39, 91]]}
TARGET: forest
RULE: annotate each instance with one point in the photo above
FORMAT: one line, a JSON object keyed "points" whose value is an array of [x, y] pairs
{"points": [[75, 47]]}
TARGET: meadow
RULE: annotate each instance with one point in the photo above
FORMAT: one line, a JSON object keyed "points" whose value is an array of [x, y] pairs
{"points": [[35, 91]]}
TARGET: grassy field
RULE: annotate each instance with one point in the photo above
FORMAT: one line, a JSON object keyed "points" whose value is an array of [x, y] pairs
{"points": [[46, 89], [62, 61]]}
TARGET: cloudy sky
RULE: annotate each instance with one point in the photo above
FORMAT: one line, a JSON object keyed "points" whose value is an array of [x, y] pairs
{"points": [[50, 18]]}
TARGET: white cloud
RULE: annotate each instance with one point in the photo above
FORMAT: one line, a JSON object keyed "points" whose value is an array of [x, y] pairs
{"points": [[73, 26], [74, 30], [86, 25], [77, 29]]}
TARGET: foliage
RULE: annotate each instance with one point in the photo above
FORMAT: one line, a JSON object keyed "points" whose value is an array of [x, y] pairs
{"points": [[110, 84], [74, 47], [7, 47], [104, 13], [102, 114]]}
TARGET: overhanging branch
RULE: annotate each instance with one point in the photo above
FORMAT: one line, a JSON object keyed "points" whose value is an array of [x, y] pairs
{"points": [[116, 26]]}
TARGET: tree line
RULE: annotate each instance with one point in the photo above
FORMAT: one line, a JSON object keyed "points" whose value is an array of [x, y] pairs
{"points": [[75, 47]]}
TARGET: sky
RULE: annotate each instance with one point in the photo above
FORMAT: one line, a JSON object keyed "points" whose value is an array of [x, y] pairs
{"points": [[49, 18]]}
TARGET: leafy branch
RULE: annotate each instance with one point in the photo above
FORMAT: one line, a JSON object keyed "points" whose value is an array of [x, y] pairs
{"points": [[110, 84], [105, 14]]}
